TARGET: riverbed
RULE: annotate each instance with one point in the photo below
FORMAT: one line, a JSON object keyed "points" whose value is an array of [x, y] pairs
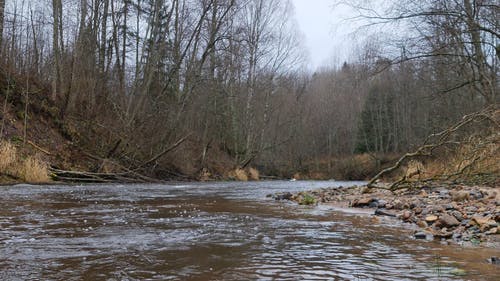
{"points": [[212, 231]]}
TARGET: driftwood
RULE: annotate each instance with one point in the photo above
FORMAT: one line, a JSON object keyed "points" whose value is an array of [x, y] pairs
{"points": [[440, 139]]}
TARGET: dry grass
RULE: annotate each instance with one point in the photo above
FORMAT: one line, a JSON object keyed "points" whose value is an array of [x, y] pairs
{"points": [[8, 156], [240, 175], [31, 169], [476, 156], [253, 174], [415, 169], [34, 170]]}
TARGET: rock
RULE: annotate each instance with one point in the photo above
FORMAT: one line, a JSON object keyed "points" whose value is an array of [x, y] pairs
{"points": [[458, 215], [406, 215], [494, 230], [431, 218], [483, 221], [456, 236], [381, 203], [444, 194], [448, 207], [448, 220], [436, 209], [363, 202], [422, 224], [460, 195], [420, 235], [400, 205], [283, 196], [383, 212], [494, 260], [476, 194], [417, 210], [423, 235], [444, 234]]}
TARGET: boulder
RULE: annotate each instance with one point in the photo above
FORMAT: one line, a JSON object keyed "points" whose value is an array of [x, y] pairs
{"points": [[448, 220]]}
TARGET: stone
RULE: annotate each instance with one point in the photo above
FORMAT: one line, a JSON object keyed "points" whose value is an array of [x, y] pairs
{"points": [[417, 210], [476, 194], [398, 205], [448, 220], [460, 195], [444, 234], [437, 209], [494, 230], [480, 220], [444, 194], [363, 202], [448, 207], [283, 196], [422, 224], [456, 236], [495, 260], [458, 215], [383, 212], [420, 235], [431, 218], [406, 215], [381, 203]]}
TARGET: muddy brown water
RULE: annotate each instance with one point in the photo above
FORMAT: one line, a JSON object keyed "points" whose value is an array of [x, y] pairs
{"points": [[211, 231]]}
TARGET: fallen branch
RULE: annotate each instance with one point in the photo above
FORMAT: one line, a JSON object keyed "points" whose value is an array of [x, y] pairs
{"points": [[38, 147], [428, 147], [161, 154]]}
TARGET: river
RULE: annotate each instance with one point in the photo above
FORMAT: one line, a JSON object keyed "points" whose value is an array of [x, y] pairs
{"points": [[212, 231]]}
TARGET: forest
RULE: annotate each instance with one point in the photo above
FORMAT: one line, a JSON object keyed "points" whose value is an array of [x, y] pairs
{"points": [[202, 89]]}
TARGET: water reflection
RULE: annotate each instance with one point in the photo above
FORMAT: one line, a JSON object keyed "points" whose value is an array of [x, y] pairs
{"points": [[221, 231]]}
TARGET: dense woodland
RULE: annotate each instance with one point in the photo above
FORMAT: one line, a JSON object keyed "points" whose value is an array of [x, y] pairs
{"points": [[177, 87]]}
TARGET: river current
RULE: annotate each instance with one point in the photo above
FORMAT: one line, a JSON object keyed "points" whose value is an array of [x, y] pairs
{"points": [[212, 231]]}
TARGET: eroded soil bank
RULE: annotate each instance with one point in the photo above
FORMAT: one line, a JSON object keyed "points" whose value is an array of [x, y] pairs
{"points": [[467, 215]]}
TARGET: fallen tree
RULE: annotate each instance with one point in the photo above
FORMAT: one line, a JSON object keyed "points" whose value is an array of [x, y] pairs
{"points": [[450, 139]]}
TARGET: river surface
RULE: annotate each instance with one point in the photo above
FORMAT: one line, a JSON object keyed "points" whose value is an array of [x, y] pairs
{"points": [[211, 231]]}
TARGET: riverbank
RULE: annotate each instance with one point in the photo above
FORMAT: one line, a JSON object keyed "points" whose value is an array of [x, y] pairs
{"points": [[452, 213]]}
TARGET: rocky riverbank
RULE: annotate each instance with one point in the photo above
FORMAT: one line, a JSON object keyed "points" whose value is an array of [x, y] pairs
{"points": [[467, 215]]}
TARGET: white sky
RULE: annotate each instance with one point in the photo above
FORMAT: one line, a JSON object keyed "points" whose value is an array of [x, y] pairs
{"points": [[327, 32]]}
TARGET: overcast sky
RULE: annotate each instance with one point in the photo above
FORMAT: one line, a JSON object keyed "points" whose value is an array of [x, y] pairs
{"points": [[328, 35]]}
